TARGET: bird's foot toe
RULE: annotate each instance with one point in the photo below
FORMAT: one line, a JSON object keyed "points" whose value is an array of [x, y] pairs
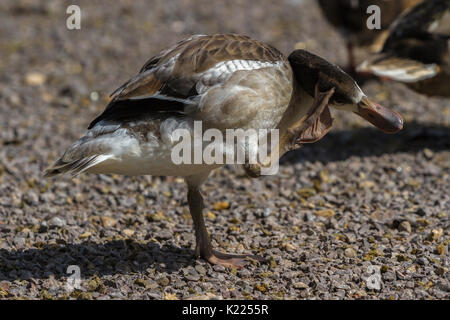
{"points": [[233, 260]]}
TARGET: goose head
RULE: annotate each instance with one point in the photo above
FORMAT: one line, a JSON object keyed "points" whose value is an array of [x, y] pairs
{"points": [[311, 70]]}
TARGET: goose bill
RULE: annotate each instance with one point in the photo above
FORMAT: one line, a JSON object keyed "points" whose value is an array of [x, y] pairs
{"points": [[386, 120]]}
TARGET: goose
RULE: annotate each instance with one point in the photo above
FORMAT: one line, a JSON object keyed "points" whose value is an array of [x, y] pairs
{"points": [[417, 51], [223, 81], [350, 17]]}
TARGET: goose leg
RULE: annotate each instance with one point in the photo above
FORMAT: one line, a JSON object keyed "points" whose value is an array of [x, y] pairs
{"points": [[203, 246]]}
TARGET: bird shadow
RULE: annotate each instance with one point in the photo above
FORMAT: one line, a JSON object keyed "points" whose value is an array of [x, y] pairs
{"points": [[366, 142], [109, 258], [129, 256]]}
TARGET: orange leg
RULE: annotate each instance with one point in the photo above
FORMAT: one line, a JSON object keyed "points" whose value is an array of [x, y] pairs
{"points": [[203, 246]]}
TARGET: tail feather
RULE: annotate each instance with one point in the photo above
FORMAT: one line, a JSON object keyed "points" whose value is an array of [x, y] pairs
{"points": [[75, 167], [399, 69]]}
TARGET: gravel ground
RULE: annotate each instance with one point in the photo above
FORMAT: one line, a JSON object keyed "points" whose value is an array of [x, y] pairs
{"points": [[355, 202]]}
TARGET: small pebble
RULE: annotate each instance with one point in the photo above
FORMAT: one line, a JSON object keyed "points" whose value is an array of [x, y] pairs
{"points": [[128, 232], [35, 78], [300, 285], [56, 222], [350, 253], [405, 226]]}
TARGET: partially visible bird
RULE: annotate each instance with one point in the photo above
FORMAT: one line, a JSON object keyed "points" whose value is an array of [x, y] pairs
{"points": [[350, 17], [417, 51], [227, 82]]}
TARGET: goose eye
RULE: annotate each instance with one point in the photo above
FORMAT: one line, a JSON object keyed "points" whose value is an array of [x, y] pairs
{"points": [[339, 100]]}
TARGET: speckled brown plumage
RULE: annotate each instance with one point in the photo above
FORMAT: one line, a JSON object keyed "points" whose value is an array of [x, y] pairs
{"points": [[175, 71], [196, 55], [199, 53]]}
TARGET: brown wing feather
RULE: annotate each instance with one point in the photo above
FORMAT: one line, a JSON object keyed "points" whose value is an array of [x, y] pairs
{"points": [[190, 57], [203, 53], [174, 72], [147, 86]]}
